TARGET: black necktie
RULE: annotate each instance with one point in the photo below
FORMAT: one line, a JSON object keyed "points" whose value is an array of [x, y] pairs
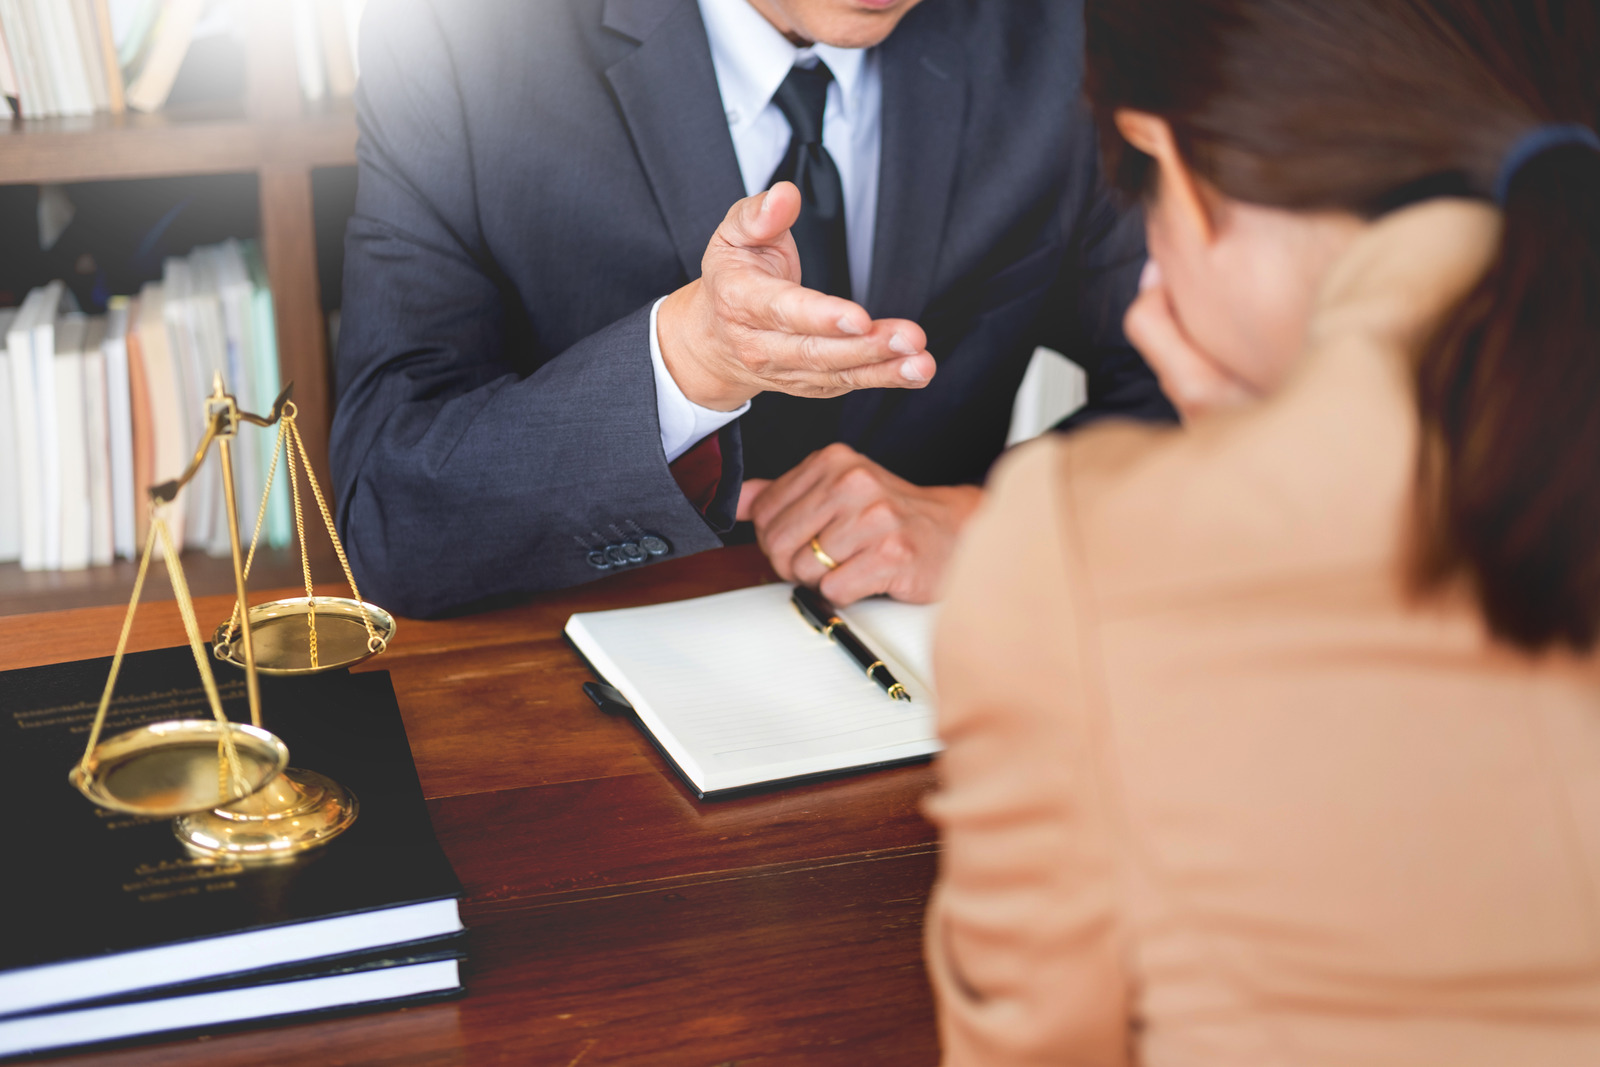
{"points": [[820, 233], [782, 430]]}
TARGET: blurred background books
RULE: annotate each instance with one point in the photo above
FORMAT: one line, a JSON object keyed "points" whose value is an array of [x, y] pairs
{"points": [[103, 406], [175, 180], [78, 57]]}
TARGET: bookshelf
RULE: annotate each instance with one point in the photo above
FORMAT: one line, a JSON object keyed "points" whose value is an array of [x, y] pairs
{"points": [[271, 134]]}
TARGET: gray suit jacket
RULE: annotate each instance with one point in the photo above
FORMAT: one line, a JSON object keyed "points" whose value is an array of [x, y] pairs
{"points": [[534, 174]]}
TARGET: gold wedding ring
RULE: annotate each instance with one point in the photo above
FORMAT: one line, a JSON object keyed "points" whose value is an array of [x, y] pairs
{"points": [[822, 557]]}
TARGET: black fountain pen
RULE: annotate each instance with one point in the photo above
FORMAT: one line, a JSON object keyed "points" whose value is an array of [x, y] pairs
{"points": [[824, 617]]}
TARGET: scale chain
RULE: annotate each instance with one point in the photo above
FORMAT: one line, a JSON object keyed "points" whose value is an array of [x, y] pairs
{"points": [[220, 648], [289, 443], [228, 757]]}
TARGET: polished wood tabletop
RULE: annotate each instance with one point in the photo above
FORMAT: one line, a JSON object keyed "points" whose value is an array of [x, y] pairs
{"points": [[613, 918]]}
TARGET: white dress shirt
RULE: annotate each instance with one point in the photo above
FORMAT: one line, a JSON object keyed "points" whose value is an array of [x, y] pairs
{"points": [[752, 59]]}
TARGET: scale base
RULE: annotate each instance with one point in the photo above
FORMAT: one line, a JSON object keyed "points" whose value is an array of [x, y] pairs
{"points": [[296, 812]]}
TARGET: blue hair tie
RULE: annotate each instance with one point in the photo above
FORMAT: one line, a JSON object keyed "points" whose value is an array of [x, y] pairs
{"points": [[1536, 142]]}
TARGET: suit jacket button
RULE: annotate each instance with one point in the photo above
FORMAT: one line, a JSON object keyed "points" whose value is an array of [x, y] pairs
{"points": [[598, 561], [616, 555], [654, 545], [634, 553]]}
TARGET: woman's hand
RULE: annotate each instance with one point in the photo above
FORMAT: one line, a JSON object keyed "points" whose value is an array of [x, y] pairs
{"points": [[1193, 381]]}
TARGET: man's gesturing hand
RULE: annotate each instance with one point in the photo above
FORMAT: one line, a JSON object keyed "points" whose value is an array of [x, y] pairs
{"points": [[885, 534], [747, 326]]}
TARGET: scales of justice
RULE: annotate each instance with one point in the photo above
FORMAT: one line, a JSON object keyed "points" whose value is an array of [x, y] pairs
{"points": [[227, 785]]}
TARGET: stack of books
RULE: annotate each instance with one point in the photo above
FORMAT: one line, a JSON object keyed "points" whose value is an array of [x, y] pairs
{"points": [[115, 933], [96, 409]]}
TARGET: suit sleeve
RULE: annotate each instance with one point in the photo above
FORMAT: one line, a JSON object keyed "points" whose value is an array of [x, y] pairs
{"points": [[460, 480], [1106, 253], [1024, 935]]}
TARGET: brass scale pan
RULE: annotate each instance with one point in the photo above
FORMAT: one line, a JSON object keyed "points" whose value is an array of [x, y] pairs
{"points": [[279, 627]]}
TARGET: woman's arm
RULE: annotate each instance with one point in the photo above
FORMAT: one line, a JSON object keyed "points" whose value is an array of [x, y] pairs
{"points": [[1024, 936]]}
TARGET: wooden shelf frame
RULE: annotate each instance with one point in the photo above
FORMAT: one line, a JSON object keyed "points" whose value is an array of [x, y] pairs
{"points": [[169, 144]]}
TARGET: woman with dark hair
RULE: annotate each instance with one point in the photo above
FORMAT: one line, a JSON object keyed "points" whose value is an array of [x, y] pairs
{"points": [[1276, 739]]}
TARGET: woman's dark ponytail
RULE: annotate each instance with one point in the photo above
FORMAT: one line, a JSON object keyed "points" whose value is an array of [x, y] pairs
{"points": [[1509, 395]]}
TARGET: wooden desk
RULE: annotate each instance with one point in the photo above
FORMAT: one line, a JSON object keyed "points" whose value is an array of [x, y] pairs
{"points": [[614, 919]]}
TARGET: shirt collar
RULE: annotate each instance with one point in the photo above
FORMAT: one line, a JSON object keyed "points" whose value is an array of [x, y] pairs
{"points": [[752, 58]]}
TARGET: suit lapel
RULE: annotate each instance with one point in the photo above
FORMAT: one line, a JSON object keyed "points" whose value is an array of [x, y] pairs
{"points": [[924, 110], [924, 113], [667, 90]]}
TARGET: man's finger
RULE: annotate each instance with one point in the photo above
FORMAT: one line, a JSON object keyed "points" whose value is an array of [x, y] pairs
{"points": [[790, 531], [758, 221], [848, 509], [863, 575], [911, 372], [748, 492], [763, 301], [793, 484], [806, 568], [798, 505]]}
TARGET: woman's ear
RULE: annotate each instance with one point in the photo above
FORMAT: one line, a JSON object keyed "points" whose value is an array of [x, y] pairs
{"points": [[1152, 135]]}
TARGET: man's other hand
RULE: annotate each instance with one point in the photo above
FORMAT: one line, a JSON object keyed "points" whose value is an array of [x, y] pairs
{"points": [[747, 325], [885, 534]]}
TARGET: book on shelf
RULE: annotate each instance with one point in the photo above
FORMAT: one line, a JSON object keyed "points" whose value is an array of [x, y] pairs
{"points": [[97, 439], [119, 429], [10, 488], [60, 57], [325, 42], [166, 412], [100, 407], [8, 76], [737, 690], [130, 935], [57, 300], [186, 310], [277, 529], [33, 421], [163, 54], [105, 34], [71, 443]]}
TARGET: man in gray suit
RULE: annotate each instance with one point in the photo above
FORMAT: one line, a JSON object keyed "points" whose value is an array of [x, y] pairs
{"points": [[580, 335]]}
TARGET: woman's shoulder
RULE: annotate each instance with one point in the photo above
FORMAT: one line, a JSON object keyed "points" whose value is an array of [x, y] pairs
{"points": [[1315, 480]]}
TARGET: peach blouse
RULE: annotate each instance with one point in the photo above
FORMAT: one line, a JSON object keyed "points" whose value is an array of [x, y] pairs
{"points": [[1216, 791]]}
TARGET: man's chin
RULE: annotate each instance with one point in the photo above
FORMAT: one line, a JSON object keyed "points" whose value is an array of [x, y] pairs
{"points": [[856, 24]]}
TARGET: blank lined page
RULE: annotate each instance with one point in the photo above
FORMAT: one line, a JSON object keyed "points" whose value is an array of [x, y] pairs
{"points": [[739, 689]]}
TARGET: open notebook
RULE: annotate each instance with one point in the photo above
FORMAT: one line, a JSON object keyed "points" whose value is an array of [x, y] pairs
{"points": [[738, 690]]}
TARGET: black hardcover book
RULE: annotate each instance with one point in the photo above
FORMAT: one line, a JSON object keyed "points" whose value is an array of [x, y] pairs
{"points": [[398, 975], [97, 904]]}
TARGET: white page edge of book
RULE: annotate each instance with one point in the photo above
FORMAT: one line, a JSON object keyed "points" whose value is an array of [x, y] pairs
{"points": [[202, 1010], [53, 984]]}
